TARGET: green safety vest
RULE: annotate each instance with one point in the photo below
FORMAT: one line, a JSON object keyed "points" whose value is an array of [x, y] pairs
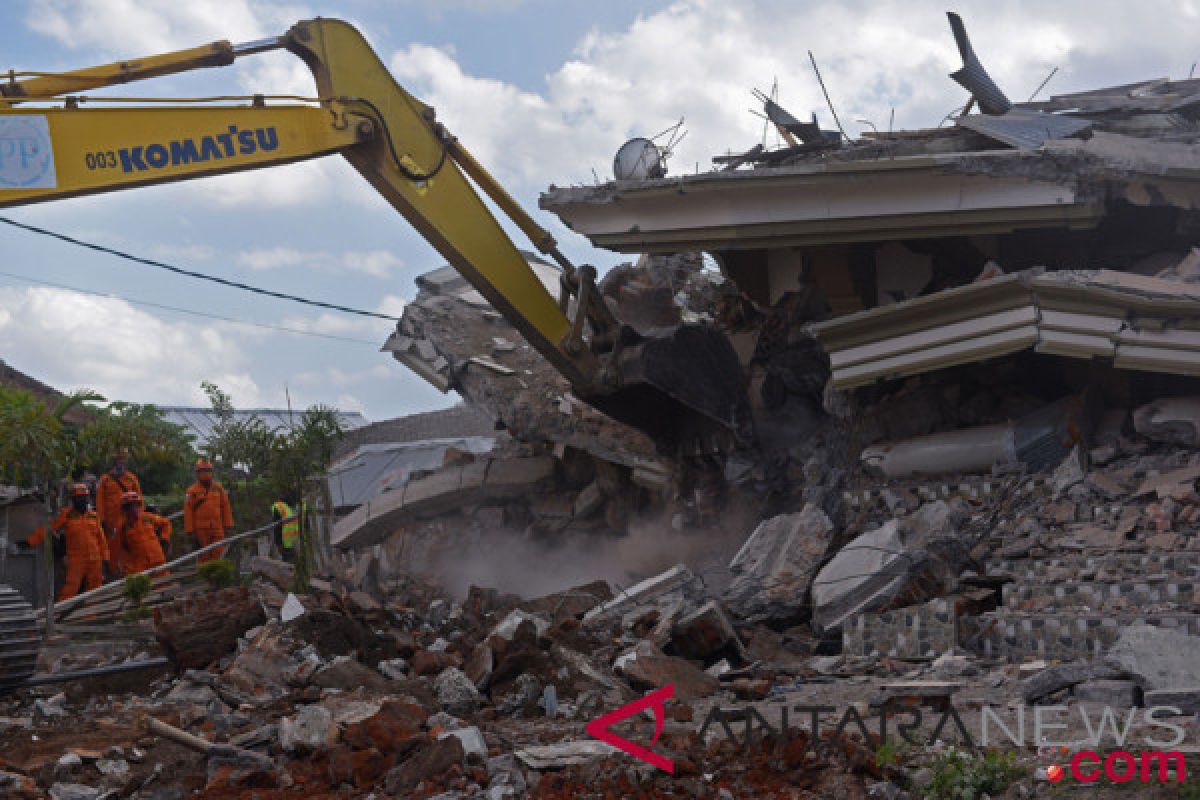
{"points": [[291, 530]]}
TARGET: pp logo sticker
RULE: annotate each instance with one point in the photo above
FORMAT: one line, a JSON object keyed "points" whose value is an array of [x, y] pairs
{"points": [[26, 154]]}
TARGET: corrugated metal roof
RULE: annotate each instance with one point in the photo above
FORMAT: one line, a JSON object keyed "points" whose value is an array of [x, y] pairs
{"points": [[199, 422], [377, 468], [1025, 130]]}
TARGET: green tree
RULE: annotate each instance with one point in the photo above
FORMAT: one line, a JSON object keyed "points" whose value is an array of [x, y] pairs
{"points": [[259, 465], [160, 450], [37, 445]]}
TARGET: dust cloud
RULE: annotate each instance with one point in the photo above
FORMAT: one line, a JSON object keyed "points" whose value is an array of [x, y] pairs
{"points": [[528, 566]]}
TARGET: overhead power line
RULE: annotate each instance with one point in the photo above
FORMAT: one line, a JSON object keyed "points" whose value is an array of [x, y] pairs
{"points": [[176, 309], [193, 274]]}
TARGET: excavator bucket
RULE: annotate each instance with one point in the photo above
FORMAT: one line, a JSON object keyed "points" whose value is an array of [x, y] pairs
{"points": [[683, 388]]}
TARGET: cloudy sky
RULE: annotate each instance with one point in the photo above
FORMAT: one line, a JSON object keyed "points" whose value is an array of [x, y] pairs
{"points": [[543, 91]]}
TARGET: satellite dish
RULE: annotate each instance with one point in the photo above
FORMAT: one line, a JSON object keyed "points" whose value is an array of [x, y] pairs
{"points": [[639, 160]]}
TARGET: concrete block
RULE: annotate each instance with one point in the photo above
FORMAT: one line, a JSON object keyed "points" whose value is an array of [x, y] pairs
{"points": [[1186, 700], [1113, 693], [1158, 658]]}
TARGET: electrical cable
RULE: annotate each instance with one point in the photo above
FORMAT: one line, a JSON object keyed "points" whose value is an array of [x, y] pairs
{"points": [[193, 274], [176, 309], [418, 177]]}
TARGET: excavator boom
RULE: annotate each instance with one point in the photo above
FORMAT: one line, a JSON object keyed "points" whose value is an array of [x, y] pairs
{"points": [[55, 144]]}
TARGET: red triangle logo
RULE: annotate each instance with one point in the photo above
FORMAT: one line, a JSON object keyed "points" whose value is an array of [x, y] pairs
{"points": [[657, 700]]}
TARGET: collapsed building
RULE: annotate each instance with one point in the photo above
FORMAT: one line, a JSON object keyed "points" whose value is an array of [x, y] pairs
{"points": [[970, 355]]}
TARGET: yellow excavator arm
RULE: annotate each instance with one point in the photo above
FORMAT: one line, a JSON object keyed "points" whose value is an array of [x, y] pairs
{"points": [[56, 144]]}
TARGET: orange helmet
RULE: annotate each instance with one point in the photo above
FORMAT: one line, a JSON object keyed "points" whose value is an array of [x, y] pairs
{"points": [[131, 498], [80, 490], [203, 464]]}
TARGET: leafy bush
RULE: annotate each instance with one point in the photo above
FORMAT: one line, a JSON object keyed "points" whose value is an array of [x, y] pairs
{"points": [[136, 588], [218, 574], [963, 776]]}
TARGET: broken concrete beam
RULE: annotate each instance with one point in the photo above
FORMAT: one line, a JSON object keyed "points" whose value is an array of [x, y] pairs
{"points": [[447, 489], [564, 754], [570, 603], [647, 667], [279, 573], [1062, 676], [705, 634], [588, 501], [1172, 420], [773, 570], [905, 561], [1157, 658], [677, 579]]}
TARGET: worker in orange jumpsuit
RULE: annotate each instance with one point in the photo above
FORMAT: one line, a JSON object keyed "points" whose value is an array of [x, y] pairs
{"points": [[162, 526], [113, 485], [206, 511], [87, 549], [138, 536]]}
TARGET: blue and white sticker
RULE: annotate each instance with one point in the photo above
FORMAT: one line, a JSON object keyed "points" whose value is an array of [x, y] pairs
{"points": [[26, 153]]}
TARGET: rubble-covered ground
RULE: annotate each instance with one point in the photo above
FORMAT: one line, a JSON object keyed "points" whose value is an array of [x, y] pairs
{"points": [[992, 540]]}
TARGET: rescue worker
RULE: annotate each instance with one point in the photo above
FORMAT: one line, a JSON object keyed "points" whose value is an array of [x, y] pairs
{"points": [[138, 536], [287, 533], [87, 549], [162, 525], [206, 511], [113, 485]]}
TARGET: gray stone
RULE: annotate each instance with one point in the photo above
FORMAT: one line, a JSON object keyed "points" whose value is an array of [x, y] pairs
{"points": [[346, 673], [774, 568], [73, 791], [1157, 658], [394, 669], [115, 767], [507, 628], [447, 722], [507, 780], [54, 707], [69, 761], [472, 740], [1072, 471], [439, 612], [310, 730], [188, 693], [1062, 676], [455, 692], [526, 691], [1113, 693], [1186, 700]]}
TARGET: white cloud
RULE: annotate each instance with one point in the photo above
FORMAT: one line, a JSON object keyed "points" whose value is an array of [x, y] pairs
{"points": [[156, 26], [346, 325], [77, 340], [375, 263], [701, 58]]}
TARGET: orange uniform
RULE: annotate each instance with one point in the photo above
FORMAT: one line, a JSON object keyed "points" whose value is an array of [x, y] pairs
{"points": [[86, 550], [142, 549], [162, 527], [108, 506], [207, 515]]}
